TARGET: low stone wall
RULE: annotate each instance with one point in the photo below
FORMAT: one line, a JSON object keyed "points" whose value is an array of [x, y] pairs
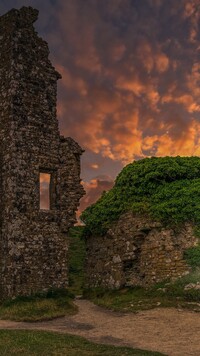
{"points": [[137, 251]]}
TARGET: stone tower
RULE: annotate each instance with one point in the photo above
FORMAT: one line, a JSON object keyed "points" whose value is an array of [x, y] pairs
{"points": [[33, 242]]}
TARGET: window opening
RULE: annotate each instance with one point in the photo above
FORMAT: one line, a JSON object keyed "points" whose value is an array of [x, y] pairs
{"points": [[45, 179]]}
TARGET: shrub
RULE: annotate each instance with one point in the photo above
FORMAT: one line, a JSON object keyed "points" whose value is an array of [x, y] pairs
{"points": [[167, 189], [192, 256]]}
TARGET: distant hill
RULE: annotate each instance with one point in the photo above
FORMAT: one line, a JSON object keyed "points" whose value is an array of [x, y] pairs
{"points": [[167, 189]]}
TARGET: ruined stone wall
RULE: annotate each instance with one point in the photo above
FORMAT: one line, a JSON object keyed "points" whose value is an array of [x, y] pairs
{"points": [[137, 251], [33, 244]]}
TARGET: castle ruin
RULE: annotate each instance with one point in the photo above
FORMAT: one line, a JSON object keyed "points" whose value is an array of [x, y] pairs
{"points": [[137, 251], [33, 242]]}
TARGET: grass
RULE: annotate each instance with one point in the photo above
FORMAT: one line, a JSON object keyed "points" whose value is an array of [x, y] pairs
{"points": [[32, 343], [161, 295], [76, 260], [39, 307]]}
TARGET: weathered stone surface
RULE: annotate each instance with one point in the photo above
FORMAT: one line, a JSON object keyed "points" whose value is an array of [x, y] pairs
{"points": [[137, 251], [33, 243]]}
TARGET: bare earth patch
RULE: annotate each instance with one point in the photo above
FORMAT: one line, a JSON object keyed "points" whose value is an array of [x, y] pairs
{"points": [[168, 330]]}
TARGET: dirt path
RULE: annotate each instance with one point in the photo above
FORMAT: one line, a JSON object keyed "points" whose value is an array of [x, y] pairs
{"points": [[171, 331]]}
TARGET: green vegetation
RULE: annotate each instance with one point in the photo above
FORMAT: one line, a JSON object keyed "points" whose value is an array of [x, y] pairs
{"points": [[46, 306], [192, 256], [33, 343], [164, 294], [167, 189], [76, 259]]}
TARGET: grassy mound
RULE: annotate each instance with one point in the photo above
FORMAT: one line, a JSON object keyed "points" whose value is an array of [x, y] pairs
{"points": [[167, 189], [46, 306]]}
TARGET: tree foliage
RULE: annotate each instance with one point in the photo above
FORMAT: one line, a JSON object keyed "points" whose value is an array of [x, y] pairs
{"points": [[168, 189]]}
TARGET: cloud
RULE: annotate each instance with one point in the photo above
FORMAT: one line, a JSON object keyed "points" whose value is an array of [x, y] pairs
{"points": [[119, 65], [94, 189], [94, 166], [162, 62], [131, 75], [192, 13], [185, 143]]}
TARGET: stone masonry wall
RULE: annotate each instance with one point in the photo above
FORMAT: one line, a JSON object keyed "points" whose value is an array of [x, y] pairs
{"points": [[33, 242], [137, 251]]}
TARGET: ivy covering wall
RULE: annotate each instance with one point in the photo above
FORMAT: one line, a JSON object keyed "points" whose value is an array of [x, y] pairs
{"points": [[167, 189]]}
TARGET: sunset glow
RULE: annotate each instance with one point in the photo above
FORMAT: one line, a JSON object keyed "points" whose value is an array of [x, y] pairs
{"points": [[130, 84]]}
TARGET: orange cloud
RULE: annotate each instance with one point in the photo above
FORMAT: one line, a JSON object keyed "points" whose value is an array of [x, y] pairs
{"points": [[94, 166], [193, 80], [133, 84], [187, 100], [162, 62], [186, 145], [131, 75], [192, 12], [94, 189], [152, 58], [130, 79]]}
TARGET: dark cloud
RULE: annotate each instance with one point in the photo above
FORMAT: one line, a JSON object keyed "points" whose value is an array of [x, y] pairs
{"points": [[93, 164], [131, 77], [130, 65]]}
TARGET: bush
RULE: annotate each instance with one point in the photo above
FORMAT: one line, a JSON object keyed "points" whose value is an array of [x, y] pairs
{"points": [[167, 189], [192, 256]]}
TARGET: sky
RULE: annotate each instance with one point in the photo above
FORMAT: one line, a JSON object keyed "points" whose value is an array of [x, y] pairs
{"points": [[130, 84]]}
